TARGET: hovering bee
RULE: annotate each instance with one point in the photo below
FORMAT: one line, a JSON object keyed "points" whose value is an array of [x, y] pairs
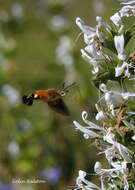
{"points": [[53, 97]]}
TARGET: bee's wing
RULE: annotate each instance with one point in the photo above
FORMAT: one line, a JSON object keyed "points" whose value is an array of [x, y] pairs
{"points": [[59, 106]]}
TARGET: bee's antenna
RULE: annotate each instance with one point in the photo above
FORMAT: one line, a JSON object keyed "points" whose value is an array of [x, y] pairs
{"points": [[69, 86], [63, 85]]}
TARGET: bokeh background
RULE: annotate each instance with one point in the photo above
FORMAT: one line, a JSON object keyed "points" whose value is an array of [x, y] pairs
{"points": [[39, 50]]}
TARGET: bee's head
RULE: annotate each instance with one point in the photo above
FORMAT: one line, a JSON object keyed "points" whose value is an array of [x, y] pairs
{"points": [[28, 100]]}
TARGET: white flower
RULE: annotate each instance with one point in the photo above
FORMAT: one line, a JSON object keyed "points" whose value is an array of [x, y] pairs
{"points": [[100, 116], [58, 22], [91, 124], [101, 22], [108, 97], [82, 174], [133, 138], [88, 39], [111, 107], [12, 94], [124, 152], [127, 11], [88, 31], [86, 56], [116, 19], [128, 96], [95, 69], [97, 167], [124, 95], [119, 96], [17, 11], [119, 44], [91, 60], [103, 87], [126, 185], [122, 167], [63, 51], [109, 137], [111, 153], [100, 37], [92, 50], [129, 2], [86, 131], [103, 187], [104, 172], [85, 29], [13, 148], [120, 69], [127, 73], [83, 183]]}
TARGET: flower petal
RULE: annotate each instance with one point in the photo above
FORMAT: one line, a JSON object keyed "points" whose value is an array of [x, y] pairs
{"points": [[119, 44], [90, 133]]}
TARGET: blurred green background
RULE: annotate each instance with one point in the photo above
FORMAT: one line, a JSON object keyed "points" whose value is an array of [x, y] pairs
{"points": [[38, 50]]}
